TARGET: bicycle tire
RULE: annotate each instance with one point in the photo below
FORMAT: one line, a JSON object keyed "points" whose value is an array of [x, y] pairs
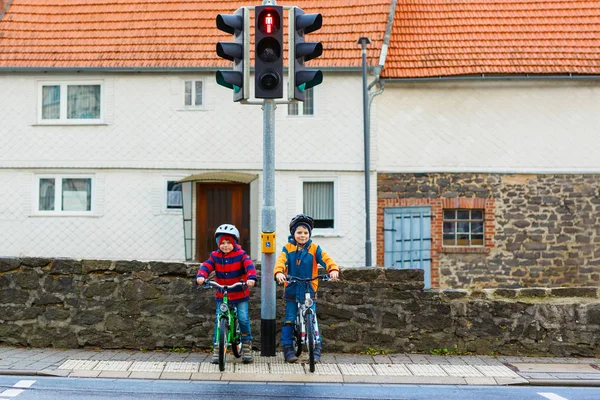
{"points": [[297, 341], [236, 339], [223, 329], [310, 335]]}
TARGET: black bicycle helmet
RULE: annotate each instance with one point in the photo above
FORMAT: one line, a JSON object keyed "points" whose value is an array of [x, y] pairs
{"points": [[228, 229], [302, 218]]}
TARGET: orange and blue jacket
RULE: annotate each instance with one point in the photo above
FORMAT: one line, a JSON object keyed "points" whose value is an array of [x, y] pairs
{"points": [[302, 263]]}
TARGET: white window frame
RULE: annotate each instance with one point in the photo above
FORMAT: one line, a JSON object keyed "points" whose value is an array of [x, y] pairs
{"points": [[63, 120], [300, 105], [58, 195], [194, 106], [322, 232], [165, 195]]}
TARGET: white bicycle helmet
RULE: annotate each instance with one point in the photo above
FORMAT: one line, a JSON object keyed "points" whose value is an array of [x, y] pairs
{"points": [[228, 229]]}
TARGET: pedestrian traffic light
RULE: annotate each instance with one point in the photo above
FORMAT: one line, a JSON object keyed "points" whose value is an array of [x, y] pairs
{"points": [[300, 78], [268, 71], [237, 51]]}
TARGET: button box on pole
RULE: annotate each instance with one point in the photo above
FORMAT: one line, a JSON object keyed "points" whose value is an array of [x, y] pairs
{"points": [[268, 242]]}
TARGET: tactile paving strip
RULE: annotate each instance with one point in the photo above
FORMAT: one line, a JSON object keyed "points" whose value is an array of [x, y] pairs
{"points": [[391, 369], [356, 369], [252, 368], [209, 368], [85, 365], [113, 365], [147, 366], [325, 369], [498, 371], [462, 371], [181, 367], [426, 370], [287, 369]]}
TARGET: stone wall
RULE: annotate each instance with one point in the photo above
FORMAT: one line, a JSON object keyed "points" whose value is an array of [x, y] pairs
{"points": [[69, 303], [541, 230]]}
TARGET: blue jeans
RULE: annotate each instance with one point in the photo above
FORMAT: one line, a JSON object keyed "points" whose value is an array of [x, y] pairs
{"points": [[243, 317], [287, 332]]}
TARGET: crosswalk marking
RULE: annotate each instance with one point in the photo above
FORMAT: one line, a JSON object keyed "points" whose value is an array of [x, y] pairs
{"points": [[15, 392], [12, 392], [552, 396], [23, 384]]}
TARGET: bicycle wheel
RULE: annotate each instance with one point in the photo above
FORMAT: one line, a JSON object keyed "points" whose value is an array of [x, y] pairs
{"points": [[223, 330], [310, 335], [236, 339], [297, 341]]}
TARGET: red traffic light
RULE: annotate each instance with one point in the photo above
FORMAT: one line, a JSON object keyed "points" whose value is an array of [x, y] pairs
{"points": [[269, 21]]}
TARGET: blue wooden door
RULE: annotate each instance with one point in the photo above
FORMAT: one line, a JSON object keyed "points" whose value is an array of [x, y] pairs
{"points": [[407, 238]]}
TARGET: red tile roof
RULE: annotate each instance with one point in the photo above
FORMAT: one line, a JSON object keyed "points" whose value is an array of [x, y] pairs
{"points": [[429, 37], [457, 37], [165, 33]]}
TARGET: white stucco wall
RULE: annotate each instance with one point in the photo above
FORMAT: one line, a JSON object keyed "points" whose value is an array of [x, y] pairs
{"points": [[148, 137], [497, 126], [147, 126]]}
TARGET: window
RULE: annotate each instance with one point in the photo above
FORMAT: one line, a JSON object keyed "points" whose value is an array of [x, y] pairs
{"points": [[72, 103], [319, 203], [174, 196], [58, 194], [193, 93], [463, 227], [307, 107]]}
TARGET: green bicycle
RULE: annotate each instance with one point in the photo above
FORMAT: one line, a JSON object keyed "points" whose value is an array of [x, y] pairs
{"points": [[228, 325]]}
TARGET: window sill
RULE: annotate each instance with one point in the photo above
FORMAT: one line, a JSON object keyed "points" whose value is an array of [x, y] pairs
{"points": [[326, 235], [463, 250], [191, 108], [64, 214], [64, 123]]}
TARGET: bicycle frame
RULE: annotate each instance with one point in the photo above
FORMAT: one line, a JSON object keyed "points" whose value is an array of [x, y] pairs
{"points": [[306, 317], [226, 319], [305, 311]]}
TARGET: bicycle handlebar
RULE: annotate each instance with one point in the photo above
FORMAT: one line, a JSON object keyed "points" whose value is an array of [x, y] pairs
{"points": [[323, 277], [208, 283]]}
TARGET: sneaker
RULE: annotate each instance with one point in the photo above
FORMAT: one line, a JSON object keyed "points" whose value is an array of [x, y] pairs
{"points": [[289, 355], [215, 354], [247, 353]]}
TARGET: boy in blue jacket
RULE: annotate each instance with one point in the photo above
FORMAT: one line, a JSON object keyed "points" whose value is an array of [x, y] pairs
{"points": [[300, 257]]}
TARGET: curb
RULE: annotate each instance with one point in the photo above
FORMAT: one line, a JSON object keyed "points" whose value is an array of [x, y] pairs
{"points": [[565, 382]]}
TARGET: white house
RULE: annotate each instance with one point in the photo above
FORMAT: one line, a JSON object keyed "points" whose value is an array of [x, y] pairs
{"points": [[105, 109], [483, 137]]}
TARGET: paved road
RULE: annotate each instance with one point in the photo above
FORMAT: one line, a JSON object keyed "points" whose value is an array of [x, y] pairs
{"points": [[51, 388]]}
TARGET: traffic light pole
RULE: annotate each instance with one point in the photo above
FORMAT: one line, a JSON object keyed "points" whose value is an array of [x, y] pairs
{"points": [[268, 85], [267, 282]]}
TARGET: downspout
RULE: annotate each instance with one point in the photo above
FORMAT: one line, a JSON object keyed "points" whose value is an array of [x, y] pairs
{"points": [[367, 116], [4, 4]]}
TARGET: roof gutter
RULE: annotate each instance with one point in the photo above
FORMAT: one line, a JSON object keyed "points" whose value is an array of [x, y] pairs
{"points": [[142, 70], [484, 77]]}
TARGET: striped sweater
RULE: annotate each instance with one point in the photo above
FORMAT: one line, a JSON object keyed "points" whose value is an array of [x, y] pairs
{"points": [[230, 268]]}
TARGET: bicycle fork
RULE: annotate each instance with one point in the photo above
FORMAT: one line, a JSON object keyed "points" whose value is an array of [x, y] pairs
{"points": [[300, 321]]}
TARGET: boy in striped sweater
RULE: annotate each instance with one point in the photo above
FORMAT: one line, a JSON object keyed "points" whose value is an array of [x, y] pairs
{"points": [[231, 264]]}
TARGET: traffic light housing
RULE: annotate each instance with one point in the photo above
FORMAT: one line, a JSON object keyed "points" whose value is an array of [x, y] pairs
{"points": [[268, 68], [237, 51], [300, 78]]}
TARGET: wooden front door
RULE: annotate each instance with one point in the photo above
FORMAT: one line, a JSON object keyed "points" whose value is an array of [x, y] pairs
{"points": [[217, 204]]}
